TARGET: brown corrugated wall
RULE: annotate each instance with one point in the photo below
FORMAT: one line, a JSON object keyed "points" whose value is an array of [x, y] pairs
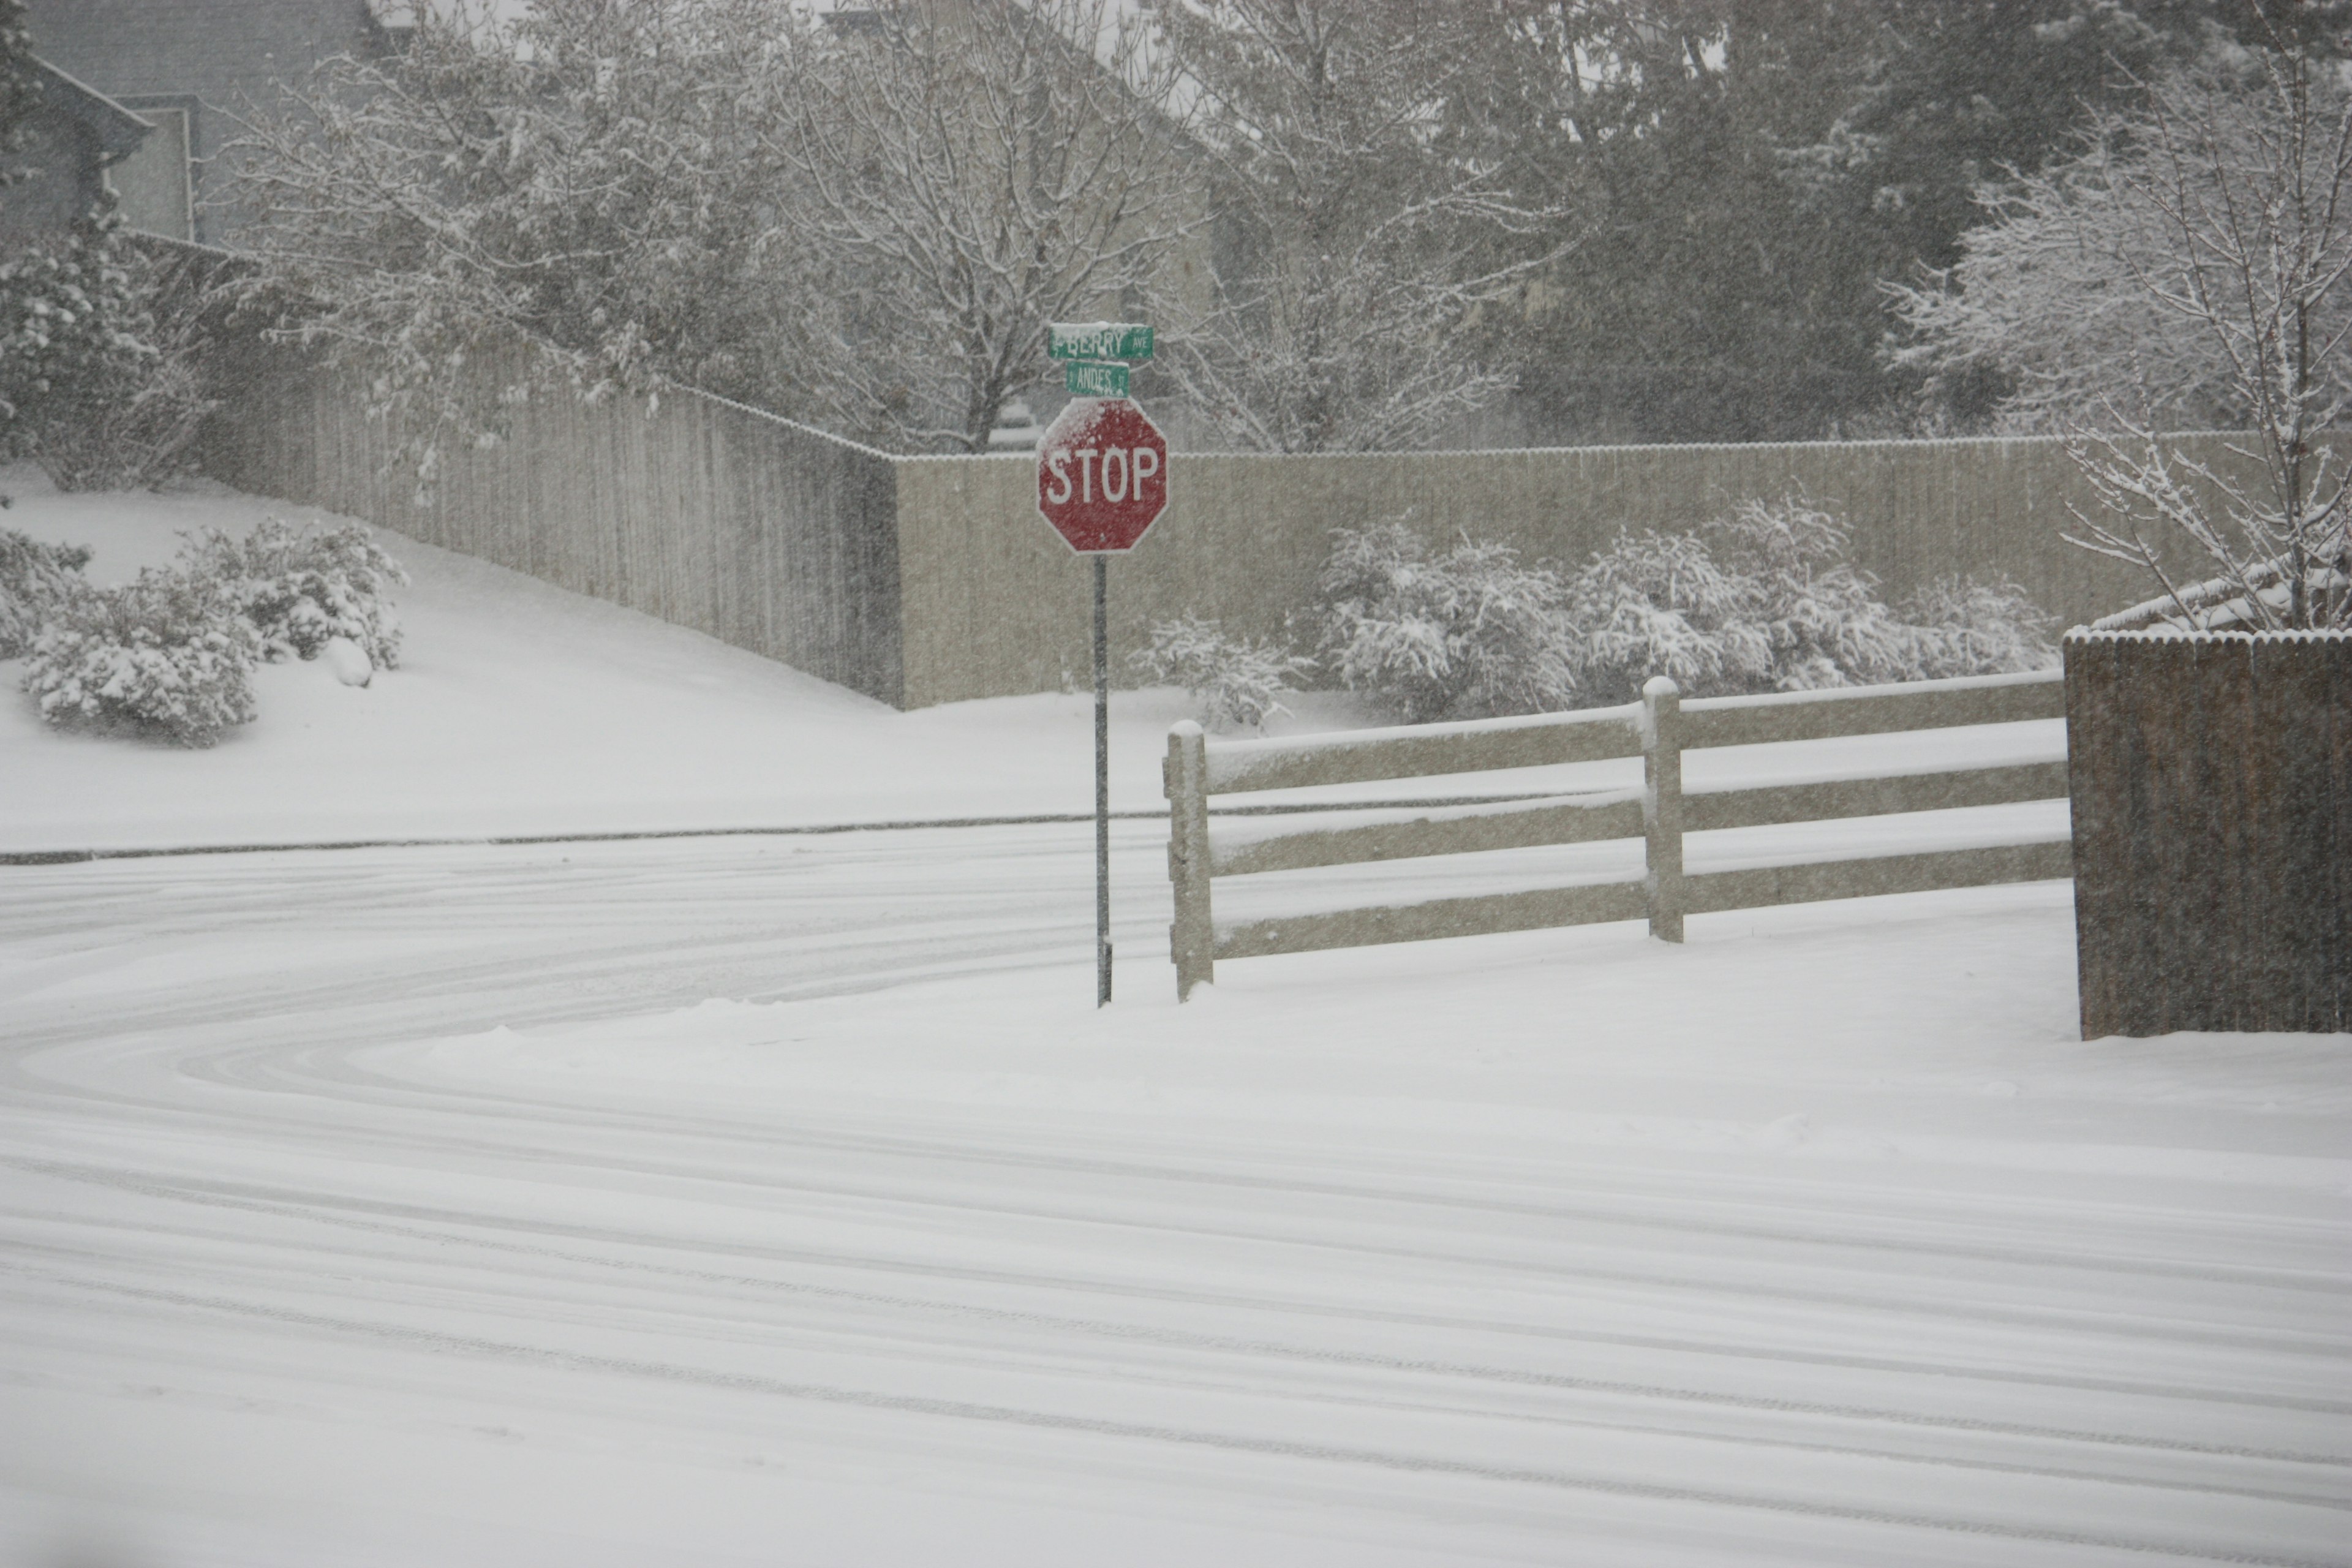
{"points": [[2211, 781]]}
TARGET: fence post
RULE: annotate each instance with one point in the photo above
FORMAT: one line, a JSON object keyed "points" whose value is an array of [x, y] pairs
{"points": [[1661, 804], [1191, 939]]}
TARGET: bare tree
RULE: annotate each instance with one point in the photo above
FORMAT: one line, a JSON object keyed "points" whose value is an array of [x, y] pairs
{"points": [[1362, 239], [976, 169], [592, 180], [2188, 268]]}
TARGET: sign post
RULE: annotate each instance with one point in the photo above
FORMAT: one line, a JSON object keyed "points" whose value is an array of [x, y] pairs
{"points": [[1102, 482]]}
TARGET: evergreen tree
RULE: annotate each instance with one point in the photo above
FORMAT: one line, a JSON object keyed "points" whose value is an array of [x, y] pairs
{"points": [[1763, 166], [20, 90]]}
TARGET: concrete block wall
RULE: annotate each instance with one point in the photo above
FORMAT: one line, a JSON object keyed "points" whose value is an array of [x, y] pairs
{"points": [[763, 533], [995, 604], [928, 580]]}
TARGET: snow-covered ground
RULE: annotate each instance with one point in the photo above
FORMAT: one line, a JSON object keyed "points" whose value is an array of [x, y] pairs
{"points": [[785, 1199], [521, 708]]}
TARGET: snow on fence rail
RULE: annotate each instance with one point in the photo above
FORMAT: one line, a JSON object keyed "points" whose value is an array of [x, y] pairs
{"points": [[1658, 729]]}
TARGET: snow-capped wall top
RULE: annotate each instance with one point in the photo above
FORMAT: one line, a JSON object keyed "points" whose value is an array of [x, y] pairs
{"points": [[2097, 634]]}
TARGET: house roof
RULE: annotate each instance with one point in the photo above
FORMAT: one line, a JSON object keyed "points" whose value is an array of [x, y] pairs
{"points": [[117, 130]]}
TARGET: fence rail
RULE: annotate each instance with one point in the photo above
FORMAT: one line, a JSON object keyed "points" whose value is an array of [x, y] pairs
{"points": [[1659, 729]]}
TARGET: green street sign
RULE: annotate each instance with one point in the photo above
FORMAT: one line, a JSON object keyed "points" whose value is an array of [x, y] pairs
{"points": [[1086, 378], [1099, 339]]}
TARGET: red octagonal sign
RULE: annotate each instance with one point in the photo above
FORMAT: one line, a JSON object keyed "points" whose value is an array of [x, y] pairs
{"points": [[1102, 474]]}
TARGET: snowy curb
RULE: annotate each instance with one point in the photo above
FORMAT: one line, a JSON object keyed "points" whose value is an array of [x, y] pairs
{"points": [[149, 852]]}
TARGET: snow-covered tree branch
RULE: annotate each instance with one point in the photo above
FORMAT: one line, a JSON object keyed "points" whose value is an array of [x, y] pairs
{"points": [[594, 179], [974, 172], [2187, 269], [1363, 239]]}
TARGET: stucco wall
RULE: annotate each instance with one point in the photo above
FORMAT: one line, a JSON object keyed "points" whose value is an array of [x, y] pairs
{"points": [[995, 604], [928, 580]]}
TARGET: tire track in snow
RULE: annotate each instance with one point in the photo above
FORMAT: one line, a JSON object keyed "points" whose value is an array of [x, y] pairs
{"points": [[275, 1056], [1159, 1334], [1375, 1458], [455, 1224]]}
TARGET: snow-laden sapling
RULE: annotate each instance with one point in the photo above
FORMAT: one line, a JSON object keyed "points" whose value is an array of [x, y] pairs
{"points": [[167, 655], [34, 577], [300, 589], [1464, 635], [1235, 681]]}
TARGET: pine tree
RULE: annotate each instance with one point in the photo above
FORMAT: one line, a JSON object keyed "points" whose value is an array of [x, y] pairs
{"points": [[20, 90], [1758, 168]]}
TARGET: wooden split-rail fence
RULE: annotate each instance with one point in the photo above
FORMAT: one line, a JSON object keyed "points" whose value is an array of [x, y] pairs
{"points": [[1659, 729]]}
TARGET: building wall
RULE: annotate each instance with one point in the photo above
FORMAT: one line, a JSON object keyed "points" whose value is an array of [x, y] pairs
{"points": [[64, 184], [218, 58]]}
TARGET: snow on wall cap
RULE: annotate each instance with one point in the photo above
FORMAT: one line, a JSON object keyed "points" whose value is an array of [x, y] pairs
{"points": [[1184, 729], [2082, 634], [1752, 450]]}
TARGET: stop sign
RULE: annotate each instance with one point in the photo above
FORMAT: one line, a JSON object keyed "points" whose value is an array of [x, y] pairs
{"points": [[1102, 474]]}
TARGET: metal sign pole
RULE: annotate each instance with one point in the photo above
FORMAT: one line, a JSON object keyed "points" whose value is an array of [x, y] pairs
{"points": [[1095, 468], [1102, 790]]}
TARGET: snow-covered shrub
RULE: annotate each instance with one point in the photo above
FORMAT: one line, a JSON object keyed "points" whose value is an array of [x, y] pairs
{"points": [[1235, 681], [33, 578], [93, 385], [1764, 600], [166, 655], [1464, 635], [1761, 600], [300, 587], [1969, 626]]}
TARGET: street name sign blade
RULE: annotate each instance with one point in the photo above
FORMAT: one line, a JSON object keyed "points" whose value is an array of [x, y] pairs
{"points": [[1098, 339], [1091, 378], [1102, 474]]}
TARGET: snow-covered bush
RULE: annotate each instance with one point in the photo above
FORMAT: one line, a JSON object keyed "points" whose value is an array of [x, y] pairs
{"points": [[300, 587], [1236, 681], [167, 655], [1464, 635], [93, 385], [1761, 600], [33, 578], [1967, 625], [1764, 600]]}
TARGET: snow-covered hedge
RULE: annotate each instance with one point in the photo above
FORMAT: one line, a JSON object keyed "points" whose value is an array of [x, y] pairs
{"points": [[1762, 600], [1236, 681], [302, 587], [167, 655], [33, 578]]}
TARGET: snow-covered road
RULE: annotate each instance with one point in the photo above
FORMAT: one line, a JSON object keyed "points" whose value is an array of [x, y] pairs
{"points": [[423, 1206]]}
